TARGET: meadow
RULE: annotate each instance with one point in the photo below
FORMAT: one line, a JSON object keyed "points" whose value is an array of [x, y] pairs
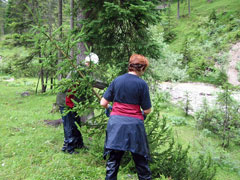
{"points": [[31, 149]]}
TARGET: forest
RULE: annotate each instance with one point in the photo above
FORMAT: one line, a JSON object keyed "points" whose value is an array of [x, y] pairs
{"points": [[193, 48]]}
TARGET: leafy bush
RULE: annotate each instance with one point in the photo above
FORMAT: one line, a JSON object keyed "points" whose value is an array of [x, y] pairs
{"points": [[206, 117], [198, 67], [177, 120], [168, 67]]}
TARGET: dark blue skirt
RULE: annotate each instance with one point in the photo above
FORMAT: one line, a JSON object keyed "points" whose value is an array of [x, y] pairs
{"points": [[126, 134]]}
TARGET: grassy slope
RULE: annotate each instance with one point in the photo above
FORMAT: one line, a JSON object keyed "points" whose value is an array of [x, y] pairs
{"points": [[29, 148], [199, 9]]}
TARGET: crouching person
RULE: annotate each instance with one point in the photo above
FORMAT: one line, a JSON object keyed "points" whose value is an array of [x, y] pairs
{"points": [[72, 136]]}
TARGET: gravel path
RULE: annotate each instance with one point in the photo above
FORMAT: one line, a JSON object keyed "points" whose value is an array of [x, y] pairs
{"points": [[196, 93]]}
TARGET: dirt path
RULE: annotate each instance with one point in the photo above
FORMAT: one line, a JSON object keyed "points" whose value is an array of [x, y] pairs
{"points": [[234, 58]]}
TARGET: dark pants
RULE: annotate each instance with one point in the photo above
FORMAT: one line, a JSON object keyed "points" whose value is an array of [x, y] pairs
{"points": [[72, 136], [113, 164]]}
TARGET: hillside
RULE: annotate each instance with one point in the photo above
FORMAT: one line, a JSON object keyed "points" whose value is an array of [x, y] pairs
{"points": [[201, 10]]}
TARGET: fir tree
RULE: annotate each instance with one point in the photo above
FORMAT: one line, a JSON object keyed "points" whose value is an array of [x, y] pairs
{"points": [[116, 29]]}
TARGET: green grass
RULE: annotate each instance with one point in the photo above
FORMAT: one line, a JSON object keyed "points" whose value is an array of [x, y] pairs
{"points": [[29, 148], [187, 25], [200, 143]]}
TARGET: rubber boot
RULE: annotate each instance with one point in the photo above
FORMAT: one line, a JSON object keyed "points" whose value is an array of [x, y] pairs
{"points": [[113, 164], [142, 167]]}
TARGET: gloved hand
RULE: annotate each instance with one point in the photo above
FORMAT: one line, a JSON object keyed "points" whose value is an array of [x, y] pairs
{"points": [[108, 110], [144, 115]]}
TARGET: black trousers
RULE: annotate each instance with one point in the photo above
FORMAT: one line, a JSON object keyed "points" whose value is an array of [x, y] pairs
{"points": [[72, 136], [113, 164]]}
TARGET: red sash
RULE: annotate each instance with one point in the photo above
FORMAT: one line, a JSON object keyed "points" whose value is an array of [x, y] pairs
{"points": [[130, 110]]}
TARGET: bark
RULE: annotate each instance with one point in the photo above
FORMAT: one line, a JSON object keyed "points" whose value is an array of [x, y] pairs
{"points": [[81, 47], [72, 22], [41, 75], [226, 124], [60, 37], [52, 81], [2, 29], [44, 86], [42, 78], [178, 9], [189, 8], [60, 16], [37, 83]]}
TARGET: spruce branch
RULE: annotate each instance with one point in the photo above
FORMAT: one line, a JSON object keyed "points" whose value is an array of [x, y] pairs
{"points": [[70, 60]]}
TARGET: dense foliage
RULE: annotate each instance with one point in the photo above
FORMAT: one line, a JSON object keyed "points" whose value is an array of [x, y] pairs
{"points": [[116, 29]]}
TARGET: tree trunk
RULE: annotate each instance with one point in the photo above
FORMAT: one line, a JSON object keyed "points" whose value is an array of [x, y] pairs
{"points": [[2, 29], [60, 37], [46, 81], [178, 9], [52, 80], [72, 22], [226, 123], [81, 47], [44, 87], [169, 3], [42, 78], [38, 82], [189, 8]]}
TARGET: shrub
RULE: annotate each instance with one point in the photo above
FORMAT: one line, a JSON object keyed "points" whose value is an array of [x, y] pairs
{"points": [[202, 168], [223, 119], [177, 120], [213, 16], [168, 67], [198, 67], [170, 159]]}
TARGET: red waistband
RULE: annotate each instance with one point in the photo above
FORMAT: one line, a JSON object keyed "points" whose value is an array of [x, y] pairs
{"points": [[130, 110]]}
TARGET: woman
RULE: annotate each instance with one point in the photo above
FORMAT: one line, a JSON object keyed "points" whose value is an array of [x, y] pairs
{"points": [[125, 129]]}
